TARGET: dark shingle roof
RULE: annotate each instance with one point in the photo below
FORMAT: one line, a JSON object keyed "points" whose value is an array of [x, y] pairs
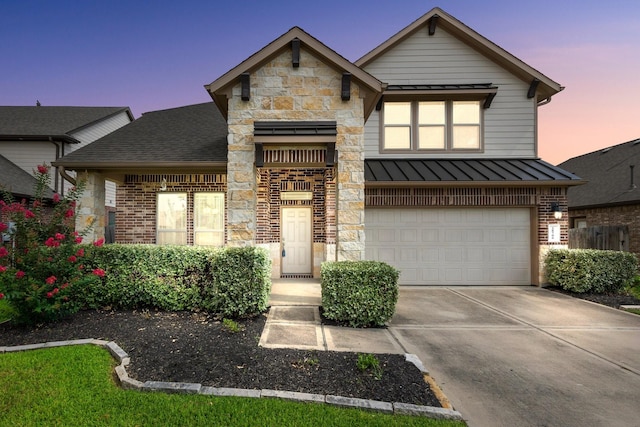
{"points": [[194, 133], [22, 121], [18, 182], [465, 172], [608, 176]]}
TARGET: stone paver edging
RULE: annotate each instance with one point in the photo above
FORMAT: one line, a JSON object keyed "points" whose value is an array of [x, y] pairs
{"points": [[193, 388]]}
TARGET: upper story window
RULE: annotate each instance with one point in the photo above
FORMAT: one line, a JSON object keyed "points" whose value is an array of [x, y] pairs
{"points": [[443, 125]]}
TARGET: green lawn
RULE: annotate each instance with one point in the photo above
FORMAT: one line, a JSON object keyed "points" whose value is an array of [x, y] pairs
{"points": [[75, 386]]}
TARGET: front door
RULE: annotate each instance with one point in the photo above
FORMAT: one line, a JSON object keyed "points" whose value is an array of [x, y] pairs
{"points": [[296, 240]]}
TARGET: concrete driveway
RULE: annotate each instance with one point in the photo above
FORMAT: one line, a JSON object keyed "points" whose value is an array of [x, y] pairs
{"points": [[525, 356]]}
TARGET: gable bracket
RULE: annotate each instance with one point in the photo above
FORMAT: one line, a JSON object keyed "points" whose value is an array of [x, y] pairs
{"points": [[259, 156], [488, 100], [331, 154], [295, 52], [245, 80], [379, 104], [346, 86], [433, 22], [532, 88]]}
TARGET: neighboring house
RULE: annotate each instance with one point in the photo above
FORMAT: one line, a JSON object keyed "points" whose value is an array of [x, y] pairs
{"points": [[30, 136], [611, 195], [422, 154]]}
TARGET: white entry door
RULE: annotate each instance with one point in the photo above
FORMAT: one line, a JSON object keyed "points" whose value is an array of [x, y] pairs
{"points": [[296, 240]]}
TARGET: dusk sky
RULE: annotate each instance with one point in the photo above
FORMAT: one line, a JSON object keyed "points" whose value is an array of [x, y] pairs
{"points": [[152, 55]]}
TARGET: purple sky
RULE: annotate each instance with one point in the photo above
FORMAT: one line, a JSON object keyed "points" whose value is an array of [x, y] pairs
{"points": [[152, 55]]}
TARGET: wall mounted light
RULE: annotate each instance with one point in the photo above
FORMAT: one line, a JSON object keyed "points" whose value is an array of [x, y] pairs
{"points": [[557, 210], [163, 184]]}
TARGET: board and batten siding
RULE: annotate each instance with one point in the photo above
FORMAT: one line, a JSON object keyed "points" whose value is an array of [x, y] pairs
{"points": [[510, 122]]}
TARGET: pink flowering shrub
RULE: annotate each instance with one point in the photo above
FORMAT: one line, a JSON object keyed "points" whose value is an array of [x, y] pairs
{"points": [[41, 266]]}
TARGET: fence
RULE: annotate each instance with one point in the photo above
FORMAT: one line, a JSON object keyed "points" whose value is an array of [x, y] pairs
{"points": [[607, 237]]}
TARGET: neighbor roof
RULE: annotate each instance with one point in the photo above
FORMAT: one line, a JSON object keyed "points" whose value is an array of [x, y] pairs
{"points": [[194, 135], [429, 172], [371, 86], [441, 19], [37, 123], [18, 182], [612, 176]]}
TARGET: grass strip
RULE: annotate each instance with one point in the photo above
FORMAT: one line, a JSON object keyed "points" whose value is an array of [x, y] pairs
{"points": [[75, 386]]}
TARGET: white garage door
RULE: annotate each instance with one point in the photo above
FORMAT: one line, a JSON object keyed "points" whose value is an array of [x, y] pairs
{"points": [[470, 246]]}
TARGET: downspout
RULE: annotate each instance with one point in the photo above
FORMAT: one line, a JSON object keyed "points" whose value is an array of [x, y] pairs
{"points": [[55, 175]]}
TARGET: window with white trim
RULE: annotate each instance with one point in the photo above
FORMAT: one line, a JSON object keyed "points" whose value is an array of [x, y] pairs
{"points": [[444, 125], [208, 219], [173, 219]]}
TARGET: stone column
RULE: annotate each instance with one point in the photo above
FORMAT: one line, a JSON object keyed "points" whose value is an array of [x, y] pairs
{"points": [[91, 206], [350, 193], [241, 189]]}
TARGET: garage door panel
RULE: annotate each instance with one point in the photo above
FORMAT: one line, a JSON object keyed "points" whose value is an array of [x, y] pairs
{"points": [[437, 246]]}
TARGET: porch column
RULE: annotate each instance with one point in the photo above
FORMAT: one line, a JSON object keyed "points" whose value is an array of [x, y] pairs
{"points": [[241, 186], [91, 206], [350, 192]]}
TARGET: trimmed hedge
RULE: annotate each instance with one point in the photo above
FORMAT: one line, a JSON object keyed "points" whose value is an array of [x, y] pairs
{"points": [[590, 270], [178, 278], [359, 293], [241, 282]]}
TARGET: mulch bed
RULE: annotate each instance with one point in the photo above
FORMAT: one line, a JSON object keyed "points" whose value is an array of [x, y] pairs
{"points": [[611, 300], [196, 348]]}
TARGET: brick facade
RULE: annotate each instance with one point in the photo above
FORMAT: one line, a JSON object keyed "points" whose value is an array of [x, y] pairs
{"points": [[136, 202], [628, 215]]}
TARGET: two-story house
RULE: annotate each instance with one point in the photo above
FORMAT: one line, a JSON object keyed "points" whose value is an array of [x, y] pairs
{"points": [[422, 154], [33, 135]]}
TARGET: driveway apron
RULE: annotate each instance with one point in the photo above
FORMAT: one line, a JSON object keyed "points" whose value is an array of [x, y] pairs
{"points": [[524, 356]]}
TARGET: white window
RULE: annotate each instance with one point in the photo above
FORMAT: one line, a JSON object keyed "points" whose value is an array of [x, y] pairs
{"points": [[432, 126], [208, 219], [172, 219]]}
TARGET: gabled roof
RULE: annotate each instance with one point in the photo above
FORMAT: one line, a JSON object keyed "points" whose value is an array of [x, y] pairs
{"points": [[38, 123], [190, 136], [467, 172], [612, 175], [18, 182], [546, 87], [220, 88]]}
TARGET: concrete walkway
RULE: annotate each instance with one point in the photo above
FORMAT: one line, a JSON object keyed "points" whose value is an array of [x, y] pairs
{"points": [[504, 356]]}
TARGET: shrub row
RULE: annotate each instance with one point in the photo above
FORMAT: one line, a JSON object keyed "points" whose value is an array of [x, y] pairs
{"points": [[359, 293], [590, 270], [233, 282]]}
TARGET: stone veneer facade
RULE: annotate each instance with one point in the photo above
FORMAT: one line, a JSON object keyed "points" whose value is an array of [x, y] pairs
{"points": [[310, 92]]}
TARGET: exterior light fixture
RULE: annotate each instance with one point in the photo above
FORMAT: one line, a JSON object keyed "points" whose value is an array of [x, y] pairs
{"points": [[163, 184], [557, 211]]}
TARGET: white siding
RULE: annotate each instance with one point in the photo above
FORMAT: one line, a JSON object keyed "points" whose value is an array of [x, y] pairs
{"points": [[98, 130], [29, 154], [110, 193], [509, 125]]}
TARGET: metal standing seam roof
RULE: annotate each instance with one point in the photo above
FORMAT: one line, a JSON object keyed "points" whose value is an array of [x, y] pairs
{"points": [[465, 86], [466, 171], [295, 128]]}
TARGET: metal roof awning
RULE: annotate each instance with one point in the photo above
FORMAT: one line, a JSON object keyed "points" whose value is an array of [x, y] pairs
{"points": [[295, 128], [475, 172]]}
